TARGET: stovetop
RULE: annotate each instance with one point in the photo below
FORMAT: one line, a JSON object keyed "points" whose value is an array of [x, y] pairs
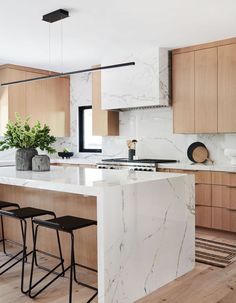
{"points": [[151, 161]]}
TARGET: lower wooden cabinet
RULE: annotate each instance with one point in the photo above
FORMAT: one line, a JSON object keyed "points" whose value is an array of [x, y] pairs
{"points": [[215, 199], [224, 219], [203, 216], [203, 194]]}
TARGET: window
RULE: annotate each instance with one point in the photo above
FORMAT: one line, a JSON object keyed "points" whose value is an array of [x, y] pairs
{"points": [[87, 142]]}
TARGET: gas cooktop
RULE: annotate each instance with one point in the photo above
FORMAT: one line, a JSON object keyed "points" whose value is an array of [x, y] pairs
{"points": [[125, 160]]}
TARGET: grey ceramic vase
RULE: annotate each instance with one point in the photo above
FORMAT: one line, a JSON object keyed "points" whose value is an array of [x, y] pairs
{"points": [[24, 158], [41, 163]]}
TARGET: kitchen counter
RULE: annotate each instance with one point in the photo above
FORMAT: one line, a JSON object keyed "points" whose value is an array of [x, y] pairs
{"points": [[178, 165], [190, 166], [146, 223], [7, 163], [76, 161]]}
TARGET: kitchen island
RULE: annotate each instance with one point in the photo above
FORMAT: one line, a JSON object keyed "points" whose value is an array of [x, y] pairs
{"points": [[145, 234]]}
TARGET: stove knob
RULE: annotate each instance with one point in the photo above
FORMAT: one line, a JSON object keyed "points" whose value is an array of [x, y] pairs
{"points": [[135, 169], [112, 167]]}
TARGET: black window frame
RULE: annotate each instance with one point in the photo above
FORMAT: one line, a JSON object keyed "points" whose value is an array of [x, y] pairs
{"points": [[81, 132]]}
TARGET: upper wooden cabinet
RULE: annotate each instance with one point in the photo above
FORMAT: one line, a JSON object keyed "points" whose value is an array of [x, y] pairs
{"points": [[47, 101], [212, 83], [205, 75], [105, 122], [227, 88], [183, 92]]}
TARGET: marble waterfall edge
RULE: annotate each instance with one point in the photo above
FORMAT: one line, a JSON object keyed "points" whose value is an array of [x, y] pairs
{"points": [[148, 239]]}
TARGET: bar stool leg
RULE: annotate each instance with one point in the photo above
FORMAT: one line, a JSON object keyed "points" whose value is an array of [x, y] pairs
{"points": [[59, 248], [31, 285], [24, 258], [72, 268], [3, 236]]}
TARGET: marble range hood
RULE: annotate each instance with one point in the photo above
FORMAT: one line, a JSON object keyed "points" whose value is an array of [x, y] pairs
{"points": [[146, 84]]}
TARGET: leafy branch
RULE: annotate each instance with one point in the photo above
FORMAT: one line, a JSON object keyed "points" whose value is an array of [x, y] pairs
{"points": [[19, 134]]}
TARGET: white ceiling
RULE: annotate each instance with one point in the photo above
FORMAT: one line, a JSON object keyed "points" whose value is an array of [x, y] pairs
{"points": [[97, 28]]}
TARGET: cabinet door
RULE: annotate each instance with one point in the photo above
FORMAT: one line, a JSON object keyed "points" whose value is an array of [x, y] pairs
{"points": [[206, 91], [227, 88], [58, 106], [49, 102], [203, 216], [183, 92], [224, 219], [203, 194], [16, 94], [36, 99]]}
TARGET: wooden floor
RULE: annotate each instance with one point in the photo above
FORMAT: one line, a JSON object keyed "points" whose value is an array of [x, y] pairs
{"points": [[56, 293], [205, 284]]}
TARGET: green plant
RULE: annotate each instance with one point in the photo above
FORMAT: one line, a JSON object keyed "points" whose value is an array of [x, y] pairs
{"points": [[65, 150], [19, 134]]}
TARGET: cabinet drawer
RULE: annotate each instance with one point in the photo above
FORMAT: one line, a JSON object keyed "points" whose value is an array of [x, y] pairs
{"points": [[221, 178], [203, 216], [203, 194], [224, 219], [224, 196]]}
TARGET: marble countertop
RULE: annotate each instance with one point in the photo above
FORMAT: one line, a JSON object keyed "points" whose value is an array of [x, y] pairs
{"points": [[179, 165], [7, 163], [190, 166], [76, 161], [87, 181]]}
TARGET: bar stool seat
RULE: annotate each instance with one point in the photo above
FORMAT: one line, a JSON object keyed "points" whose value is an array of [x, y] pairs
{"points": [[22, 214], [4, 204], [65, 224], [28, 212]]}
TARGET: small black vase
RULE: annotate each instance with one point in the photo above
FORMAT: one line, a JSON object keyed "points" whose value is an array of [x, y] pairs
{"points": [[131, 154]]}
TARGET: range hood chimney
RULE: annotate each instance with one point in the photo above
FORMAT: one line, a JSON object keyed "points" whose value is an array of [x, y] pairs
{"points": [[145, 85]]}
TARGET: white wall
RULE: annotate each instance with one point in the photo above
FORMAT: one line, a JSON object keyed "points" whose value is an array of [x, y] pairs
{"points": [[151, 127]]}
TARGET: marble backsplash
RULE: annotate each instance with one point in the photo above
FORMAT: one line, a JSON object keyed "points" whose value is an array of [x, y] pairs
{"points": [[151, 127]]}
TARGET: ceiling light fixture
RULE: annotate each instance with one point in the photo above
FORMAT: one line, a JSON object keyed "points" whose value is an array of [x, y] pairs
{"points": [[52, 17]]}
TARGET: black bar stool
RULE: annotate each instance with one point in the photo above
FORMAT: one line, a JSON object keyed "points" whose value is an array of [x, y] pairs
{"points": [[65, 224], [4, 204], [23, 214]]}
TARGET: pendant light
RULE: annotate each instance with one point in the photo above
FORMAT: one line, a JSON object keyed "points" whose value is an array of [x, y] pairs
{"points": [[52, 17]]}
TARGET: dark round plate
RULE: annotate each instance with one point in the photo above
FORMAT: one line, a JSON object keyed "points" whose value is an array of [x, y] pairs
{"points": [[191, 148]]}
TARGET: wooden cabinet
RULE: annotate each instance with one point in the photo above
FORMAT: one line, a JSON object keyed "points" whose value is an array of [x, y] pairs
{"points": [[205, 77], [105, 122], [12, 98], [227, 88], [183, 92], [215, 198], [203, 194], [224, 219], [205, 91], [47, 101], [203, 216], [195, 91]]}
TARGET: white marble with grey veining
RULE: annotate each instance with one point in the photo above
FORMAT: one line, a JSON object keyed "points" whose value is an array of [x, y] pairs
{"points": [[144, 84], [150, 239], [146, 224]]}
